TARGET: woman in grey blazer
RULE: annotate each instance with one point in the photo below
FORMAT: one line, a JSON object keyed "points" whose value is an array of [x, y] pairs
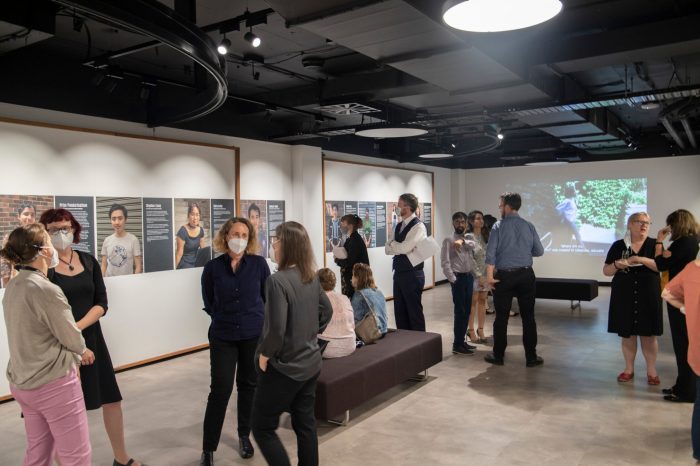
{"points": [[296, 311]]}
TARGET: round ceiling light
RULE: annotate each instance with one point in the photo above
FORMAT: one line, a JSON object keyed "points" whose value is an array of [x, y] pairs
{"points": [[498, 15], [435, 156], [650, 105], [400, 131]]}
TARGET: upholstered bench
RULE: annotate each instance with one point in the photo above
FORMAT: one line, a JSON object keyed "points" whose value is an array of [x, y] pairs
{"points": [[569, 289], [347, 382]]}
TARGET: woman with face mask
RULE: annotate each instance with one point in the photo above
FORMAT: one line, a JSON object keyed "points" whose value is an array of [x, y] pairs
{"points": [[79, 276], [45, 347], [355, 245], [233, 291]]}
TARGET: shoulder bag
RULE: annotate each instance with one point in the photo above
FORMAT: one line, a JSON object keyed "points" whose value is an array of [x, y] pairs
{"points": [[366, 329]]}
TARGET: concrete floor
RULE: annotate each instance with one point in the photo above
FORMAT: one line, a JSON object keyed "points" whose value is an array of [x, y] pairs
{"points": [[570, 411]]}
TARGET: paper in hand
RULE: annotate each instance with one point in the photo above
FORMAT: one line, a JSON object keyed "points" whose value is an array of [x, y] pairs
{"points": [[340, 252]]}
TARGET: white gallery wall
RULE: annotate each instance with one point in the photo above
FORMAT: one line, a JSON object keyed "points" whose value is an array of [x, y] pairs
{"points": [[347, 181], [146, 317], [673, 183]]}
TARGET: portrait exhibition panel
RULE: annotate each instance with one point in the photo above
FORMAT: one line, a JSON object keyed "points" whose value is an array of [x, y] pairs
{"points": [[119, 235], [192, 227]]}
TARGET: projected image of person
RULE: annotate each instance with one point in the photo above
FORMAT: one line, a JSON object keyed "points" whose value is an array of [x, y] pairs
{"points": [[683, 230], [121, 251], [568, 211], [477, 232], [356, 250], [255, 218], [635, 301], [367, 226], [190, 237], [26, 215]]}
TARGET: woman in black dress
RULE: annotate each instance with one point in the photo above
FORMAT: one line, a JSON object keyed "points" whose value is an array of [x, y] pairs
{"points": [[684, 231], [79, 275], [356, 249], [635, 299]]}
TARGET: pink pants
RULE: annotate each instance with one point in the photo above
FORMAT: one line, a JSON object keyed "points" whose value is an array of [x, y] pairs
{"points": [[56, 422]]}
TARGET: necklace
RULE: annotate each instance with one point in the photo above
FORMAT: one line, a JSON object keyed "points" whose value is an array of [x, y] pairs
{"points": [[70, 266]]}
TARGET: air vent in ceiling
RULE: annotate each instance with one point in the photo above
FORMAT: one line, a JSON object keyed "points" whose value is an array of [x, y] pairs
{"points": [[352, 108]]}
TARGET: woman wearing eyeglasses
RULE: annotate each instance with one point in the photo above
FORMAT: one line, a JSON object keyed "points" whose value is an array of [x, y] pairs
{"points": [[635, 299], [79, 276]]}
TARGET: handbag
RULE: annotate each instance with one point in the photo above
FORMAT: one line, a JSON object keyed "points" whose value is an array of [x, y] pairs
{"points": [[367, 329]]}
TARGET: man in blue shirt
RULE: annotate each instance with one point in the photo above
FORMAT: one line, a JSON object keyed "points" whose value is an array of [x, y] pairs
{"points": [[513, 243]]}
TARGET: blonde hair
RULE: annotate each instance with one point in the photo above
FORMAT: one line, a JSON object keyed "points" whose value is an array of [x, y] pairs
{"points": [[327, 279], [220, 243], [363, 274], [635, 216]]}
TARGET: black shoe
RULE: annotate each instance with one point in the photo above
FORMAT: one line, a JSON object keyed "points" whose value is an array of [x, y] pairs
{"points": [[669, 391], [207, 458], [492, 359], [468, 346], [462, 349], [245, 448], [538, 361], [677, 399]]}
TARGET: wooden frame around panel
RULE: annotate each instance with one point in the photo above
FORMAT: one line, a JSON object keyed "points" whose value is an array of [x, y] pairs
{"points": [[237, 194], [323, 201]]}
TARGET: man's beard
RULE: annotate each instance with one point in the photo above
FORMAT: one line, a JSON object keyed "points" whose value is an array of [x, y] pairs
{"points": [[459, 231]]}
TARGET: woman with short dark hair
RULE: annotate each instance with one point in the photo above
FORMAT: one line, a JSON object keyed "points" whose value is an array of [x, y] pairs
{"points": [[233, 291], [296, 311], [356, 249], [683, 230]]}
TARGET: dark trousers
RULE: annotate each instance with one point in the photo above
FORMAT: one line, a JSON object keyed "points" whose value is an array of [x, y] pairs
{"points": [[518, 284], [695, 426], [224, 356], [275, 394], [408, 291], [462, 290], [685, 382]]}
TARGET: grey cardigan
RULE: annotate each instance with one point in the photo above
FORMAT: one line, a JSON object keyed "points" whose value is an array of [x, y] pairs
{"points": [[295, 313]]}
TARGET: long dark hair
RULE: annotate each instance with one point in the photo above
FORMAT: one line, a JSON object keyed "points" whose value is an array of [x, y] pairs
{"points": [[470, 224], [296, 250]]}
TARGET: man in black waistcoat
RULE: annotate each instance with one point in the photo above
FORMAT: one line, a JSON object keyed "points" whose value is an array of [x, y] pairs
{"points": [[409, 280]]}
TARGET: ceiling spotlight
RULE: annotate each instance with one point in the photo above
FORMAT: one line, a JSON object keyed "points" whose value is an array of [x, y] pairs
{"points": [[454, 146], [223, 46], [498, 15], [500, 136], [650, 105], [252, 38]]}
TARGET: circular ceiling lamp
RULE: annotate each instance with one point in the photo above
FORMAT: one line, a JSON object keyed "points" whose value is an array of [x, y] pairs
{"points": [[437, 155], [391, 131], [498, 15]]}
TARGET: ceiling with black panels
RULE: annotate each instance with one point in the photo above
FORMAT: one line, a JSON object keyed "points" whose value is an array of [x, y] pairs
{"points": [[603, 80]]}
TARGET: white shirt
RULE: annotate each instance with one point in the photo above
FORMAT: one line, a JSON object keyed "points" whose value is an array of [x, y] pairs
{"points": [[417, 234]]}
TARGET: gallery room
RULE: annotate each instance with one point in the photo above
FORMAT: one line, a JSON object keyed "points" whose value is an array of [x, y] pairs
{"points": [[349, 232]]}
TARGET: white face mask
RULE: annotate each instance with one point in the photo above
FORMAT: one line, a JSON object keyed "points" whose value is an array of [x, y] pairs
{"points": [[62, 240], [237, 245], [54, 258], [271, 254]]}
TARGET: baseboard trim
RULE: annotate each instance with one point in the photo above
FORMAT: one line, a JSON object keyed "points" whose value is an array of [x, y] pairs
{"points": [[142, 363]]}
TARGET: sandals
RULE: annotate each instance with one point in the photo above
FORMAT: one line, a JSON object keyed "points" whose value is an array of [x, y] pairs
{"points": [[128, 463], [482, 339], [472, 336], [625, 377], [653, 380]]}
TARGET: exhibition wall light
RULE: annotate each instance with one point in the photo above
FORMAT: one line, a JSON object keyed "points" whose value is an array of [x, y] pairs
{"points": [[498, 15], [223, 46], [252, 39], [437, 155]]}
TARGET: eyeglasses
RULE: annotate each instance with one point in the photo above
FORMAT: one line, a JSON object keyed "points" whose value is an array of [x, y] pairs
{"points": [[642, 223], [64, 230]]}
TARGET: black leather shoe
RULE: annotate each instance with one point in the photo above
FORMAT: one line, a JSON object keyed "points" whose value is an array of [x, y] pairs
{"points": [[538, 361], [469, 347], [207, 458], [492, 359], [677, 399], [245, 448], [668, 391]]}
